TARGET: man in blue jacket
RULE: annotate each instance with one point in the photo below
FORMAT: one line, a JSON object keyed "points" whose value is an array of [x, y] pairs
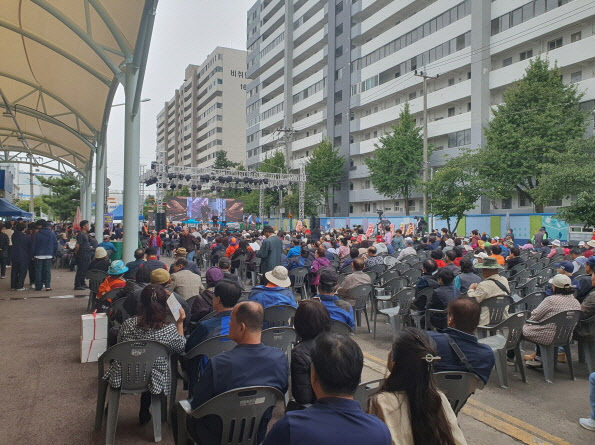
{"points": [[276, 291], [463, 318], [45, 247], [338, 309], [337, 363]]}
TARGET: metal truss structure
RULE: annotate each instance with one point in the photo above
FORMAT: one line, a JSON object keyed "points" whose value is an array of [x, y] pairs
{"points": [[216, 180]]}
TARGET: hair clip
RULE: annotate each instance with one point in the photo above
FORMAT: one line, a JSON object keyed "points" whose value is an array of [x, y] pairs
{"points": [[430, 358], [154, 295]]}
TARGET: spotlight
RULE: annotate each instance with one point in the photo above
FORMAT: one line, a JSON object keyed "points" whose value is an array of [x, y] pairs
{"points": [[219, 189], [198, 187], [181, 176], [221, 179], [179, 186], [265, 180], [172, 186], [247, 189], [170, 176], [246, 179], [188, 177], [194, 187], [228, 179], [213, 188]]}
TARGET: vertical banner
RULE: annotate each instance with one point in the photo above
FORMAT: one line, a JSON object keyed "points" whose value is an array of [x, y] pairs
{"points": [[108, 218]]}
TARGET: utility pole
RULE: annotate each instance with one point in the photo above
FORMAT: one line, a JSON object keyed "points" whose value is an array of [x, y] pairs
{"points": [[287, 136], [426, 170]]}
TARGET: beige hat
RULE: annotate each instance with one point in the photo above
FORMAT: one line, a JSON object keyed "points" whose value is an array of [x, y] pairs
{"points": [[481, 255], [489, 263], [278, 276], [181, 251], [561, 281], [100, 252], [556, 243], [591, 243], [160, 276]]}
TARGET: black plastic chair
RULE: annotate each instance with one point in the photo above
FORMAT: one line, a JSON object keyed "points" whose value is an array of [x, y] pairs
{"points": [[283, 338], [365, 390], [586, 342], [279, 315], [457, 387], [95, 278], [498, 308], [564, 323], [240, 410], [389, 275], [412, 275], [529, 302], [136, 359], [428, 318]]}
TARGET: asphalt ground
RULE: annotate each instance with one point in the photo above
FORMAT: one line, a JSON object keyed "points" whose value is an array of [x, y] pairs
{"points": [[49, 397]]}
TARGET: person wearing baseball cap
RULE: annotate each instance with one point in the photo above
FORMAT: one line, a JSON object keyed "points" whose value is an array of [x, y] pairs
{"points": [[493, 285], [561, 300], [563, 268], [338, 309], [276, 290]]}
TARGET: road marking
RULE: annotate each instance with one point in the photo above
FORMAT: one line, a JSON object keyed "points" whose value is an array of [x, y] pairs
{"points": [[504, 427], [513, 420], [505, 423]]}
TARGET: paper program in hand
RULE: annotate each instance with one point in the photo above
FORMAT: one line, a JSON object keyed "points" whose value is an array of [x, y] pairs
{"points": [[174, 306]]}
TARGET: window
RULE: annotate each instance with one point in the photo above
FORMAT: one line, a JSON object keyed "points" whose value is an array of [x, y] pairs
{"points": [[526, 54], [451, 112], [367, 184], [338, 96], [339, 52], [367, 207], [339, 7], [468, 75], [451, 81], [339, 74], [351, 186], [553, 44], [468, 106], [412, 95], [350, 209], [575, 37], [524, 200], [339, 30], [338, 119], [555, 203], [507, 62], [412, 204], [459, 138], [507, 203], [576, 77]]}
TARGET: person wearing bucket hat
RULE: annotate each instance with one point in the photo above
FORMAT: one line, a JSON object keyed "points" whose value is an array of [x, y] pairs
{"points": [[556, 249], [101, 261], [561, 300], [590, 249], [114, 280], [180, 252], [493, 285], [275, 291]]}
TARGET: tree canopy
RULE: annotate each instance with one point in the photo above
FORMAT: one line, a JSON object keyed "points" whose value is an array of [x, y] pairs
{"points": [[538, 118], [452, 191], [222, 162], [64, 197], [396, 163], [324, 170], [38, 203]]}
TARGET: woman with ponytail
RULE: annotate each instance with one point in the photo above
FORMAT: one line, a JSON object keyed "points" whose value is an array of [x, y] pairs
{"points": [[151, 324], [409, 402]]}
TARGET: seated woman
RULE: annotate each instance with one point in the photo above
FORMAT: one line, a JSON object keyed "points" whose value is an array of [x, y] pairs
{"points": [[441, 296], [409, 401], [101, 261], [151, 324], [203, 303], [114, 280], [320, 261], [311, 318], [561, 300]]}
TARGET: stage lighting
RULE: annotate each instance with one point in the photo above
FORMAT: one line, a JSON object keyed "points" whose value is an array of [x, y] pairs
{"points": [[170, 176], [265, 180], [188, 177], [213, 188], [172, 186], [193, 187], [179, 186]]}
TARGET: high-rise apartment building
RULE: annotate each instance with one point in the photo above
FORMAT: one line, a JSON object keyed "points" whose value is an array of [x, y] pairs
{"points": [[207, 113], [343, 69]]}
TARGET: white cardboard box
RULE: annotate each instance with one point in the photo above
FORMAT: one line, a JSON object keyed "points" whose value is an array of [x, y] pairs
{"points": [[91, 352], [90, 326]]}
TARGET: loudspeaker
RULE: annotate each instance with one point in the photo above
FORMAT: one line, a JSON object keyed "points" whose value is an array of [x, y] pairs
{"points": [[314, 223], [160, 223]]}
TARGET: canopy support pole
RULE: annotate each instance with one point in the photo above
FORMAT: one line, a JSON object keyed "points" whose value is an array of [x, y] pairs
{"points": [[100, 187], [131, 163], [88, 184], [83, 196]]}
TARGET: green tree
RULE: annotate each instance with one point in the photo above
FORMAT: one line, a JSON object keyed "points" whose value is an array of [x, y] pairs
{"points": [[172, 193], [324, 170], [64, 197], [38, 204], [396, 163], [452, 191], [222, 162], [539, 116], [149, 204], [581, 211], [291, 202]]}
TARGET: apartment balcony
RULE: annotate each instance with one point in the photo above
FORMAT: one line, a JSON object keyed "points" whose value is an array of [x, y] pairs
{"points": [[365, 195], [271, 8], [447, 125], [274, 54], [272, 87], [313, 120], [310, 26], [310, 46], [271, 25], [309, 102], [310, 141], [359, 172], [309, 66], [272, 121], [308, 82], [570, 54]]}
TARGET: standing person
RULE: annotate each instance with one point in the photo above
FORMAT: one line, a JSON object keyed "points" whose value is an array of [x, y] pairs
{"points": [[539, 237], [4, 253], [82, 250], [189, 242], [270, 251], [45, 248], [20, 256], [408, 401], [8, 231], [156, 242]]}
